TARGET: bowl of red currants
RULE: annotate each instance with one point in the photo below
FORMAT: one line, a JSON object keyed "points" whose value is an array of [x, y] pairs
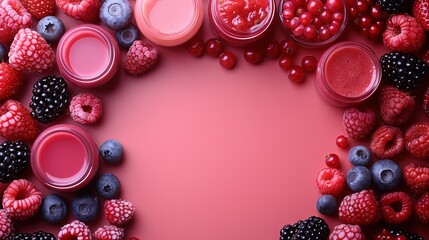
{"points": [[313, 23]]}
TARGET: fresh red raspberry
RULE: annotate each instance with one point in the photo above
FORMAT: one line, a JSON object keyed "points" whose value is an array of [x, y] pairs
{"points": [[6, 225], [13, 16], [10, 81], [74, 230], [118, 212], [416, 178], [85, 108], [396, 207], [331, 181], [84, 10], [420, 11], [140, 58], [30, 52], [21, 199], [109, 232], [40, 8], [426, 96], [396, 106], [359, 208], [16, 122], [403, 33], [422, 208], [346, 232], [358, 124], [387, 142], [417, 140]]}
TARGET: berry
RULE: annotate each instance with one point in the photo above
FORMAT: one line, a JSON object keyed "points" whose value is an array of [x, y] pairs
{"points": [[359, 155], [327, 205], [332, 160], [386, 174], [13, 17], [196, 47], [51, 29], [404, 70], [312, 228], [84, 10], [85, 207], [74, 230], [342, 142], [286, 62], [14, 160], [53, 208], [50, 99], [109, 232], [108, 186], [21, 199], [116, 14], [396, 207], [288, 47], [420, 12], [118, 212], [416, 178], [360, 208], [214, 47], [111, 151], [126, 36], [387, 142], [40, 235], [347, 232], [253, 55], [6, 224], [30, 52], [359, 178], [141, 57], [403, 33], [85, 108], [392, 233], [422, 208], [426, 101], [10, 81], [358, 123], [40, 8], [227, 60], [16, 122], [417, 140], [394, 6], [296, 74], [396, 106], [272, 50], [331, 181], [3, 53], [309, 63]]}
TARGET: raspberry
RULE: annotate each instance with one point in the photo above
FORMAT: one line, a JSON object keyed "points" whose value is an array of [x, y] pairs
{"points": [[422, 208], [84, 10], [426, 98], [420, 12], [417, 140], [403, 33], [40, 8], [85, 108], [331, 181], [396, 207], [140, 58], [13, 16], [346, 232], [416, 178], [6, 225], [74, 230], [109, 232], [396, 106], [16, 122], [359, 208], [396, 234], [118, 212], [387, 142], [10, 81], [21, 199], [358, 124]]}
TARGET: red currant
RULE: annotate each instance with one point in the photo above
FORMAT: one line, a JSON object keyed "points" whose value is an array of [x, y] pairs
{"points": [[227, 59], [365, 21], [305, 18], [298, 31], [334, 5], [376, 12], [309, 63], [253, 55], [288, 47], [326, 16], [314, 7], [196, 47], [272, 50], [296, 74], [214, 47], [332, 160], [362, 6], [342, 142], [310, 32], [285, 62]]}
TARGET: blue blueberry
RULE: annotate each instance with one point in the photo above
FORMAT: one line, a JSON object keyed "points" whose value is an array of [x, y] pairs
{"points": [[386, 174], [108, 186], [53, 208], [359, 155], [112, 151], [86, 207], [3, 53], [116, 14], [359, 178], [127, 36], [327, 205], [51, 28]]}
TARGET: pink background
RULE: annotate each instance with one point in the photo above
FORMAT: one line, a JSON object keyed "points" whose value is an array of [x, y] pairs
{"points": [[213, 153]]}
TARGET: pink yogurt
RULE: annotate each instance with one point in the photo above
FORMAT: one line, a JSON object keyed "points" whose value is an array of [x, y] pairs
{"points": [[64, 158], [88, 56]]}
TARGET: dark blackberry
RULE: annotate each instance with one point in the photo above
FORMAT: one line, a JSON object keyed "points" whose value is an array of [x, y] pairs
{"points": [[19, 236], [409, 235], [313, 228], [50, 99], [40, 235], [394, 6], [14, 160], [404, 70]]}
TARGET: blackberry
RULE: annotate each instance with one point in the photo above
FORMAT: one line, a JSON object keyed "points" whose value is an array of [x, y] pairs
{"points": [[313, 228], [409, 235], [40, 235], [50, 99], [404, 70], [19, 236], [14, 160], [394, 6]]}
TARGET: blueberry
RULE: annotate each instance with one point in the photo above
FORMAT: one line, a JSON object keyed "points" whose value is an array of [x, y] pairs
{"points": [[3, 53], [53, 208], [127, 36], [51, 28], [108, 186], [386, 174], [112, 151], [116, 14], [327, 205], [359, 178], [359, 155], [85, 207]]}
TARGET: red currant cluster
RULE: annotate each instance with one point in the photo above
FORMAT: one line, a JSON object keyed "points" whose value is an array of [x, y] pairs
{"points": [[213, 47], [367, 17]]}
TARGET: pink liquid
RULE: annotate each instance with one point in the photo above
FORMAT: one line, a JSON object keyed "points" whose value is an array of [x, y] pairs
{"points": [[94, 61]]}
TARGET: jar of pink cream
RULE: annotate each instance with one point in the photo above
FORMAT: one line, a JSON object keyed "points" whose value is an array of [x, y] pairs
{"points": [[348, 73], [64, 158], [169, 22], [88, 56]]}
